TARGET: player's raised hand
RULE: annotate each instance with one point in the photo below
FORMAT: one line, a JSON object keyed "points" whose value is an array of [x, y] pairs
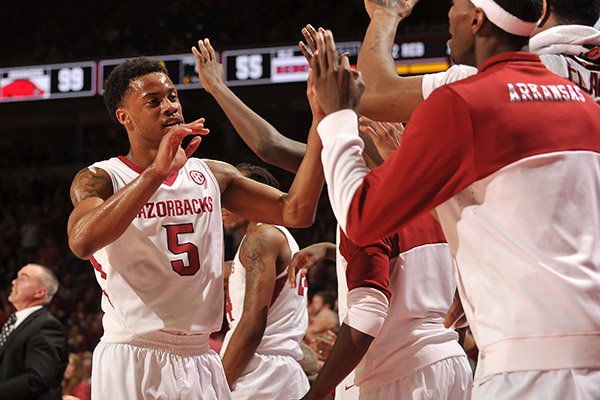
{"points": [[210, 70], [398, 8], [313, 101], [171, 156], [386, 135], [310, 36], [338, 87]]}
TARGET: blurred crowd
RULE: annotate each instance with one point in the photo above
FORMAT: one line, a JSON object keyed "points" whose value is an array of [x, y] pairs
{"points": [[96, 30]]}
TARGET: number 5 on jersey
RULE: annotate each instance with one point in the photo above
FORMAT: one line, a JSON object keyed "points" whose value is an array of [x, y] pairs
{"points": [[177, 247]]}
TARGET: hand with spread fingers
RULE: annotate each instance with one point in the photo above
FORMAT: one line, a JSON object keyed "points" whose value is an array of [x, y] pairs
{"points": [[386, 135], [171, 156], [399, 8], [210, 70], [338, 87]]}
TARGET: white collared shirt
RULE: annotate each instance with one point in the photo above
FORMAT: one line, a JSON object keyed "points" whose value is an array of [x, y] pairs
{"points": [[23, 314]]}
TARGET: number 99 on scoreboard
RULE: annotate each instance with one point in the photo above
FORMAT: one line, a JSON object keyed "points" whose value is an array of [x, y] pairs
{"points": [[51, 81]]}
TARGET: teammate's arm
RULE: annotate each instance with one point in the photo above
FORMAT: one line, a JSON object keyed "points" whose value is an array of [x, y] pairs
{"points": [[367, 275], [261, 249], [308, 257], [265, 141], [101, 216], [388, 97], [257, 202]]}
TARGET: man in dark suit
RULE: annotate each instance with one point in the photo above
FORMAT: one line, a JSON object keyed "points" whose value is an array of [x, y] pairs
{"points": [[33, 344]]}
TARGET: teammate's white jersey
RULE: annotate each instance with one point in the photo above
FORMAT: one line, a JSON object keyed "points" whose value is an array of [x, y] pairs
{"points": [[287, 319], [166, 271], [570, 51], [422, 285]]}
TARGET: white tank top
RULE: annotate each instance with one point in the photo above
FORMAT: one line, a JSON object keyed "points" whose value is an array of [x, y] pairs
{"points": [[166, 271], [287, 319]]}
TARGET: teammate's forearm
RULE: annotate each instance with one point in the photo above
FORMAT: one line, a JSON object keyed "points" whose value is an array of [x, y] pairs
{"points": [[375, 58], [95, 228], [387, 97], [300, 204], [265, 141], [349, 348], [241, 349]]}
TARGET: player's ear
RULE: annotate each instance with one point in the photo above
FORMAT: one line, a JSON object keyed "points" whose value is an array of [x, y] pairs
{"points": [[477, 20], [122, 116]]}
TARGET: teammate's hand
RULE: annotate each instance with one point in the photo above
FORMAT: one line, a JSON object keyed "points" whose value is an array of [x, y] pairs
{"points": [[455, 317], [170, 156], [308, 48], [304, 259], [386, 135], [338, 87], [400, 9], [317, 111], [210, 70]]}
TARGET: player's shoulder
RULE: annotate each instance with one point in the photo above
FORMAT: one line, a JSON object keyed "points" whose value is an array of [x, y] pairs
{"points": [[264, 238], [267, 232], [91, 182]]}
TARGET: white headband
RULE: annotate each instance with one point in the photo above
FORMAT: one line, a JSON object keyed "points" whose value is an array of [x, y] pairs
{"points": [[505, 20]]}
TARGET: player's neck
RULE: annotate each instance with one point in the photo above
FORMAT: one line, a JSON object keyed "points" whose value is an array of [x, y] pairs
{"points": [[550, 21], [489, 47], [247, 225], [142, 158]]}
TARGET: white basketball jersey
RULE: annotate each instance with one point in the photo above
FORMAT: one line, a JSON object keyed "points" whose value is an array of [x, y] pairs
{"points": [[166, 271], [287, 319], [422, 285]]}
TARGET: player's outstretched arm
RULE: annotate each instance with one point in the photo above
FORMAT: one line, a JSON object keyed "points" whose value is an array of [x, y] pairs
{"points": [[388, 97], [262, 248], [265, 141], [101, 216], [257, 202]]}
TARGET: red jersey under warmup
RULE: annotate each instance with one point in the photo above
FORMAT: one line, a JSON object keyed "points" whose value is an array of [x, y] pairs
{"points": [[510, 159]]}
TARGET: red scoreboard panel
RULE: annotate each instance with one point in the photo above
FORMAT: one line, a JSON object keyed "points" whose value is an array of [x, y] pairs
{"points": [[44, 82]]}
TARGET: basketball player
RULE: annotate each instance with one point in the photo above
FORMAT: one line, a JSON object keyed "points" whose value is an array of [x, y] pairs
{"points": [[565, 39], [394, 295], [509, 158], [150, 223], [268, 318]]}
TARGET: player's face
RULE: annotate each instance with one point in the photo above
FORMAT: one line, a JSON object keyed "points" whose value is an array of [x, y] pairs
{"points": [[26, 287], [231, 222], [461, 43], [152, 107]]}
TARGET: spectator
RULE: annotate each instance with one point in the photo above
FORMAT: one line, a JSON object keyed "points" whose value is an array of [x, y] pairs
{"points": [[74, 382], [33, 345]]}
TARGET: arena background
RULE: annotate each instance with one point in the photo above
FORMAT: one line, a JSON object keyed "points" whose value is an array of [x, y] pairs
{"points": [[46, 141]]}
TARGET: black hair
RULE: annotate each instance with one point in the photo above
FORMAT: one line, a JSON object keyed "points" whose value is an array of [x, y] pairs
{"points": [[580, 12], [258, 174], [117, 84], [526, 10]]}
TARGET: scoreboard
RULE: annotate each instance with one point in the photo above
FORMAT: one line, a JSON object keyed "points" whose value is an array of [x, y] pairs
{"points": [[273, 64], [52, 81], [260, 66], [181, 67]]}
